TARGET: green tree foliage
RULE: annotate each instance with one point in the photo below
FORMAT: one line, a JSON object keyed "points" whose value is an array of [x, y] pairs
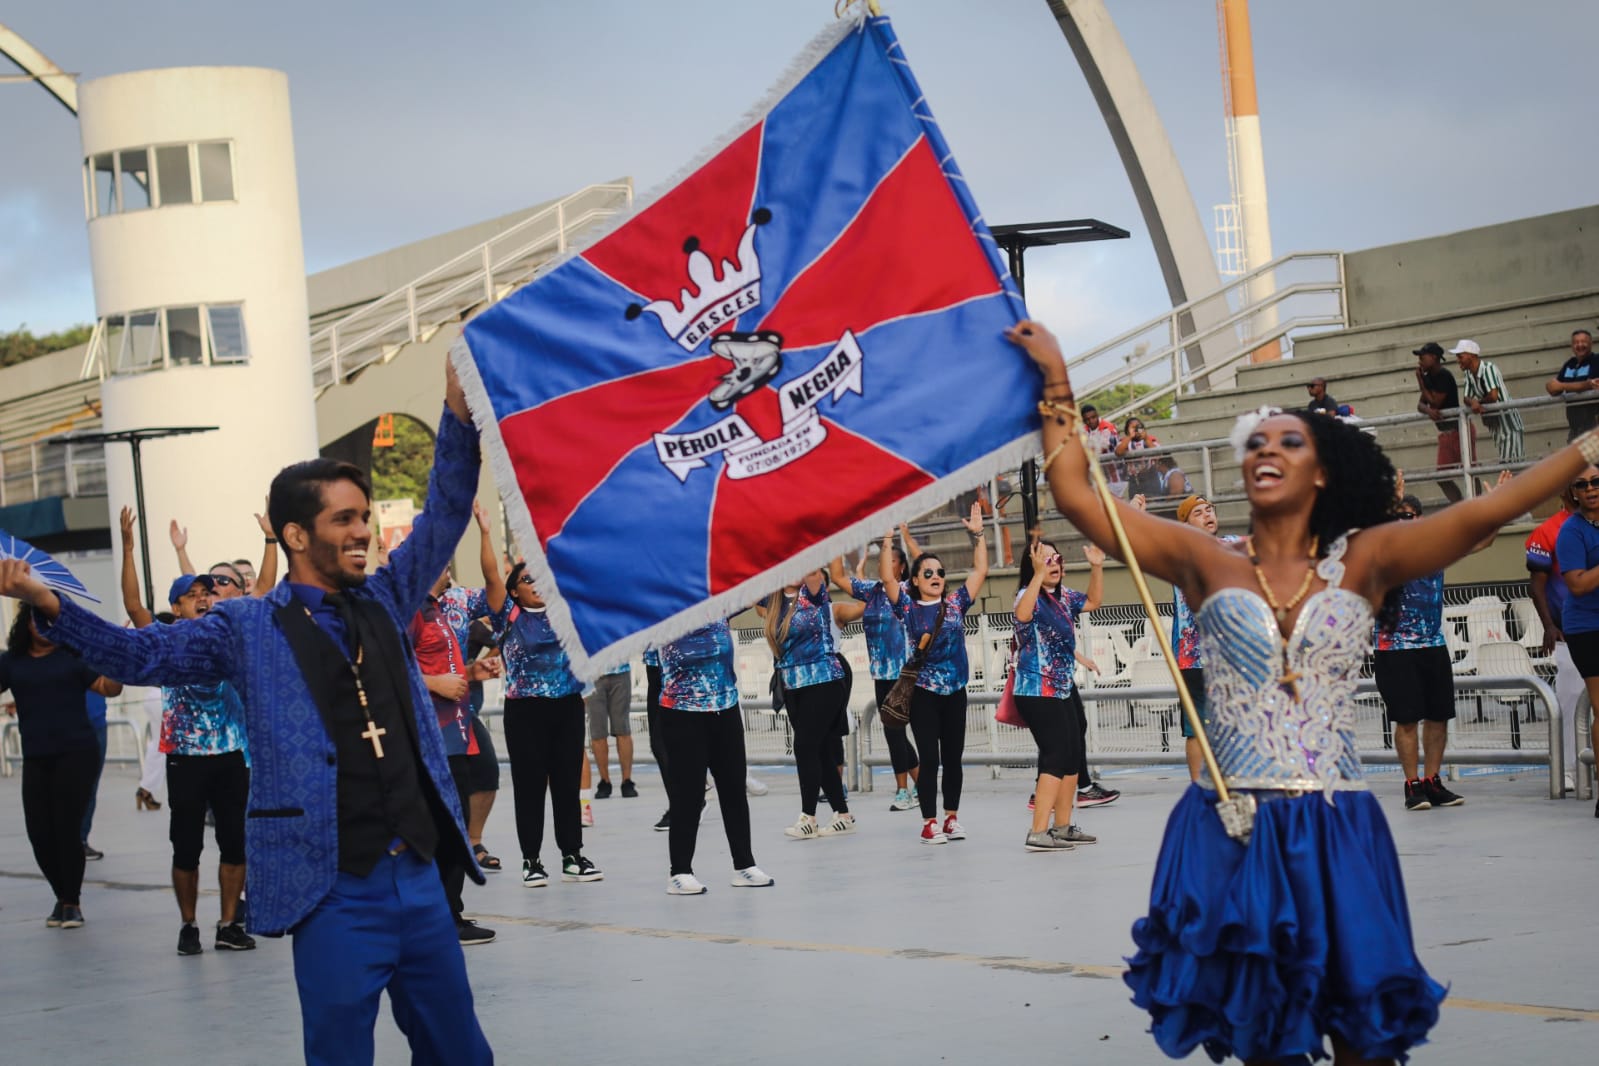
{"points": [[401, 472], [1114, 398], [20, 345]]}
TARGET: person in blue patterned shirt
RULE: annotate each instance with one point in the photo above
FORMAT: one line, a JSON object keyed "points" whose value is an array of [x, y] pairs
{"points": [[1415, 677], [938, 705], [543, 736], [886, 650], [701, 729], [803, 633], [1045, 634], [203, 739]]}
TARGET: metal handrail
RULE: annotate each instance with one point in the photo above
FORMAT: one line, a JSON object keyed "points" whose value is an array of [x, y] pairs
{"points": [[485, 266]]}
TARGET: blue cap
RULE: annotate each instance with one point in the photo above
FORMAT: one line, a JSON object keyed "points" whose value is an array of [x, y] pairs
{"points": [[184, 583]]}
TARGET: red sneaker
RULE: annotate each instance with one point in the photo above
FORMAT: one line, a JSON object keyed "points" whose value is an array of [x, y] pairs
{"points": [[932, 834]]}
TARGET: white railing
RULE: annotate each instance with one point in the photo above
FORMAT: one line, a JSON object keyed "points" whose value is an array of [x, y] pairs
{"points": [[1184, 349], [376, 331], [38, 470]]}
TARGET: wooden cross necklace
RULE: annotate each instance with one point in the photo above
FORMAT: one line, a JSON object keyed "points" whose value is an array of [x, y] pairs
{"points": [[374, 732], [1290, 678]]}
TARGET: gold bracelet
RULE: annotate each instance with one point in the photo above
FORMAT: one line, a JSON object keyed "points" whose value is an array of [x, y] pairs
{"points": [[1063, 414], [1588, 445], [1050, 458]]}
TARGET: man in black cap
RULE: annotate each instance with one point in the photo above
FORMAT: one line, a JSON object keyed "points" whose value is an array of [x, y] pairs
{"points": [[1439, 394]]}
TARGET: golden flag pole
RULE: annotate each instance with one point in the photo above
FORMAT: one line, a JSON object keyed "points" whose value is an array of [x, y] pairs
{"points": [[1237, 812]]}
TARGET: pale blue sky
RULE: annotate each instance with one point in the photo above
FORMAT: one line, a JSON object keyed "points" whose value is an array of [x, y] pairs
{"points": [[1383, 119]]}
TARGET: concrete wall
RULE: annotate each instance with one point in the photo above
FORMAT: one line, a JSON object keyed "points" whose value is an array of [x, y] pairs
{"points": [[1523, 259]]}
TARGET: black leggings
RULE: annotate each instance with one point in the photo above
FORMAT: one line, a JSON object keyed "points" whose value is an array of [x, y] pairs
{"points": [[195, 782], [697, 741], [814, 712], [652, 711], [1060, 744], [55, 793], [901, 753], [939, 723], [544, 739], [452, 861]]}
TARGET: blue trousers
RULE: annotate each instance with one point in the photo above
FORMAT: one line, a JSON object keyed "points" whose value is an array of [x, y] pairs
{"points": [[390, 930]]}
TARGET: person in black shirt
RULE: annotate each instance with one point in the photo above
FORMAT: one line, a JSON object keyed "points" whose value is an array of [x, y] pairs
{"points": [[1439, 394], [60, 755], [1320, 402], [1576, 382]]}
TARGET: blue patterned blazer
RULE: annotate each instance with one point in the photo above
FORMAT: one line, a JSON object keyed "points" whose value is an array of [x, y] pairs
{"points": [[291, 837]]}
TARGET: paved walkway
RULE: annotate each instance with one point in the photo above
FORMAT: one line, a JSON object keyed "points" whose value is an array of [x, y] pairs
{"points": [[871, 949]]}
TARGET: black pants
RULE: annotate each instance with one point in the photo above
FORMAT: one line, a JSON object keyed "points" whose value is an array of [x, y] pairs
{"points": [[901, 753], [1079, 720], [652, 712], [195, 783], [544, 739], [55, 793], [697, 741], [815, 712], [452, 861], [939, 723], [1060, 744]]}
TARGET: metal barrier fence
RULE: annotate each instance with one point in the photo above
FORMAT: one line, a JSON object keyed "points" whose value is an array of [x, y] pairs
{"points": [[1139, 727]]}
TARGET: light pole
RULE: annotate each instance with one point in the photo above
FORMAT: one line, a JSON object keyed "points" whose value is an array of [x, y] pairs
{"points": [[1016, 239], [134, 438]]}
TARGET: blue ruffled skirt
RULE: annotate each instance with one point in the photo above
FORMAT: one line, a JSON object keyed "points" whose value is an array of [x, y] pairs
{"points": [[1262, 951]]}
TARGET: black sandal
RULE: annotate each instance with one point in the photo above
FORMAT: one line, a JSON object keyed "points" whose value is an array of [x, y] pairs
{"points": [[484, 859]]}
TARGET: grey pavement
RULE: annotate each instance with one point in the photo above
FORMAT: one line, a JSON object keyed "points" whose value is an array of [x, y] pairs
{"points": [[870, 948]]}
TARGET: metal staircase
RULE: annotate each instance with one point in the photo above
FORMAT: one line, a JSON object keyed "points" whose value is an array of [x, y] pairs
{"points": [[376, 332]]}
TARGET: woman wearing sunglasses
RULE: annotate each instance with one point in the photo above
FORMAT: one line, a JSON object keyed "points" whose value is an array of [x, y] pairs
{"points": [[802, 629], [938, 706], [1577, 553], [544, 733], [1046, 614], [1267, 947]]}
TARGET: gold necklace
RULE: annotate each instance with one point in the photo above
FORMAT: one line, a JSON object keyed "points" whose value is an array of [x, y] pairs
{"points": [[1281, 611], [1289, 679]]}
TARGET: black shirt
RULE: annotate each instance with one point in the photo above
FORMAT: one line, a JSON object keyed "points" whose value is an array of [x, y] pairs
{"points": [[52, 713], [1442, 381], [1325, 405]]}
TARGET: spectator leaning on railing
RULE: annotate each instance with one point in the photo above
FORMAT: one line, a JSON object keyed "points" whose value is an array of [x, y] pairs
{"points": [[1484, 384], [1578, 377], [1439, 393]]}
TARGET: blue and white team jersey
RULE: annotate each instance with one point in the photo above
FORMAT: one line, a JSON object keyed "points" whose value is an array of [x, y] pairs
{"points": [[1420, 623], [1046, 645], [697, 670], [809, 655], [885, 633], [945, 669], [535, 665], [202, 719]]}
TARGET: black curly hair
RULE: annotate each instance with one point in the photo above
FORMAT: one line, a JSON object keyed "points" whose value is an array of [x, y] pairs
{"points": [[1361, 489]]}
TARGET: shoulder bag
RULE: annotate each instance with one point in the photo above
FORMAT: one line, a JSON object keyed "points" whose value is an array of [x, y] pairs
{"points": [[895, 710]]}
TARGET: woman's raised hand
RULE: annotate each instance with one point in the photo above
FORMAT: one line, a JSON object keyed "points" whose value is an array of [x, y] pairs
{"points": [[1039, 554], [974, 521], [1034, 338], [1094, 554]]}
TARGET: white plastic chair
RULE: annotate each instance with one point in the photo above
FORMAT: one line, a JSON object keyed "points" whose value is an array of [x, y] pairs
{"points": [[1507, 658], [1525, 612], [1153, 673]]}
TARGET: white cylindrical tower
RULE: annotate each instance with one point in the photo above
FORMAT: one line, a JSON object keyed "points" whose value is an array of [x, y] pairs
{"points": [[1248, 163], [199, 284]]}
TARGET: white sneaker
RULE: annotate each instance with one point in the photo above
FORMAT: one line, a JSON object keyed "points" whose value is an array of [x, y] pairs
{"points": [[754, 786], [751, 877], [838, 825], [803, 829], [685, 885]]}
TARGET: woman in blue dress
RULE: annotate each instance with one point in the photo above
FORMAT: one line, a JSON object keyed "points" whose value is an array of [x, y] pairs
{"points": [[1245, 949]]}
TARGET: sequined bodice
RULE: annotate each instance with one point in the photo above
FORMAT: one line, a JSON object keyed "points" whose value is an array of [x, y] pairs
{"points": [[1264, 735]]}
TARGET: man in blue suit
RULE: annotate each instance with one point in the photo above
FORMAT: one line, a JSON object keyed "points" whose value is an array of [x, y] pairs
{"points": [[351, 799]]}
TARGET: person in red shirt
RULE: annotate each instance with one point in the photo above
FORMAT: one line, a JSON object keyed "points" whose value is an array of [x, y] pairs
{"points": [[1548, 597]]}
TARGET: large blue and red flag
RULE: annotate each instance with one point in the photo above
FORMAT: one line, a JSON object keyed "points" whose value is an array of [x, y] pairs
{"points": [[794, 345]]}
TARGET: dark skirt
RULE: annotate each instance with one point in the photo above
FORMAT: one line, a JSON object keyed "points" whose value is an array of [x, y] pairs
{"points": [[1262, 951]]}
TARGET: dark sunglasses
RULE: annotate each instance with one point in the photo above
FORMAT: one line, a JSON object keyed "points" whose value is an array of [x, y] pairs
{"points": [[228, 582], [1583, 484], [525, 579], [1405, 516], [1052, 559], [933, 573]]}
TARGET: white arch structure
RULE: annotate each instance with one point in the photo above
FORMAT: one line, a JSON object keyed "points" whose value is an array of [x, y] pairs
{"points": [[37, 67]]}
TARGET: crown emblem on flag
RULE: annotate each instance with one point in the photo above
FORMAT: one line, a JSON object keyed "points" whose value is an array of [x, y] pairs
{"points": [[717, 298]]}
